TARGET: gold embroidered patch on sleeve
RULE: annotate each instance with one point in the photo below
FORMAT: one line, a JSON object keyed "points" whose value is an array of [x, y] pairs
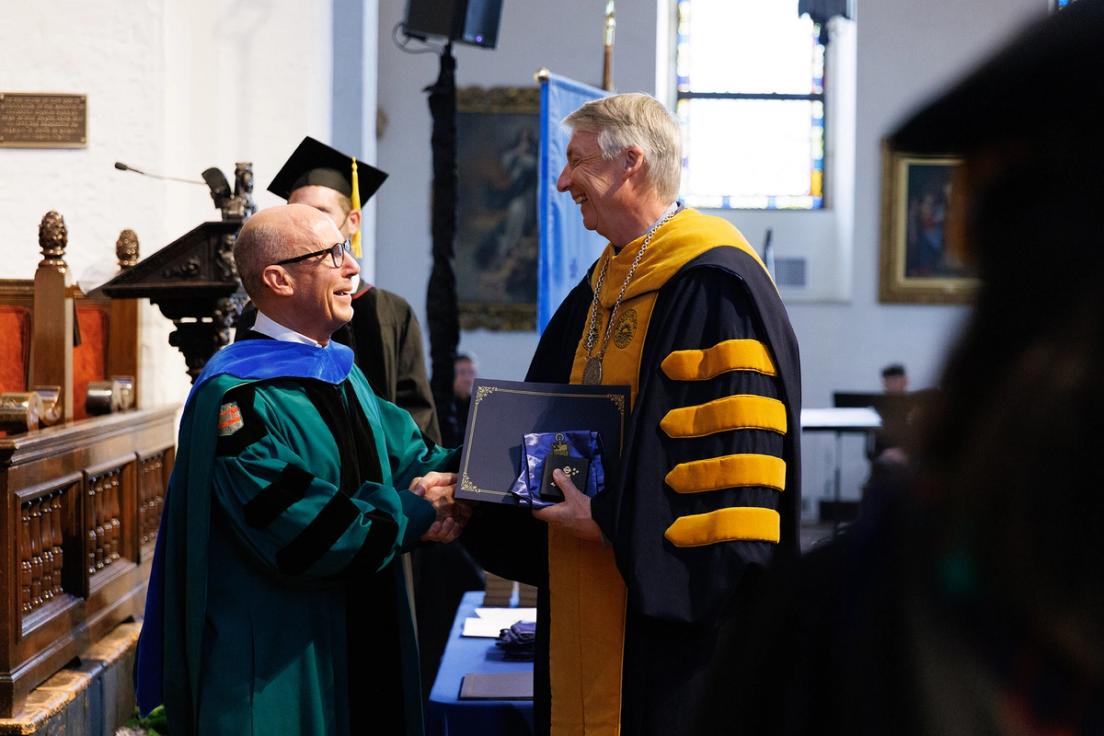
{"points": [[229, 419]]}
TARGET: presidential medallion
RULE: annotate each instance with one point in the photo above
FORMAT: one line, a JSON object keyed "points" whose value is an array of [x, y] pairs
{"points": [[592, 373], [626, 327]]}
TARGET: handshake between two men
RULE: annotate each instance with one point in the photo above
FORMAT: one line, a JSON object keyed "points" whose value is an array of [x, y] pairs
{"points": [[572, 514]]}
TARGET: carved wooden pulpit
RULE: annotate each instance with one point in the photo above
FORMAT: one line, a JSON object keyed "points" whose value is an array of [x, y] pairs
{"points": [[192, 281]]}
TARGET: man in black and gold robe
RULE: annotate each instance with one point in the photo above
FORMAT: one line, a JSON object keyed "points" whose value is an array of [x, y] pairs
{"points": [[637, 584]]}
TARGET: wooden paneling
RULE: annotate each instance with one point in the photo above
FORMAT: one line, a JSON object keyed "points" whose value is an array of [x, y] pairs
{"points": [[80, 552]]}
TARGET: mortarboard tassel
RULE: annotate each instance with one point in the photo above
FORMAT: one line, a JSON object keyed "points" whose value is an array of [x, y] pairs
{"points": [[356, 206]]}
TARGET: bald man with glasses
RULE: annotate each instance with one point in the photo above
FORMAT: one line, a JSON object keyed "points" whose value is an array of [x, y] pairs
{"points": [[387, 346], [275, 603], [384, 333]]}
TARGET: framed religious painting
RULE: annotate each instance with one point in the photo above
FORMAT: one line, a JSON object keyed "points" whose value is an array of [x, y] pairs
{"points": [[917, 266], [497, 136]]}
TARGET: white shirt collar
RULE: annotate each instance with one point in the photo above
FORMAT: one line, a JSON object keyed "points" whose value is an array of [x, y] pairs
{"points": [[270, 327], [671, 209]]}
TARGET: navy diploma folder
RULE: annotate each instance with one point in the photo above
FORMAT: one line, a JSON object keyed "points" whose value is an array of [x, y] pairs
{"points": [[503, 412]]}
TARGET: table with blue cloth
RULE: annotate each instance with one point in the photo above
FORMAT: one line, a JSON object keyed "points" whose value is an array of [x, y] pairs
{"points": [[446, 714]]}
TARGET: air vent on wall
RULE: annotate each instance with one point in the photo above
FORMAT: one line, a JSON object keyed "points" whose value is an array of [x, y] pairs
{"points": [[790, 272]]}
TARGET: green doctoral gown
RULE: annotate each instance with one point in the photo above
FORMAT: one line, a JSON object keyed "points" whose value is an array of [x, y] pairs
{"points": [[281, 607]]}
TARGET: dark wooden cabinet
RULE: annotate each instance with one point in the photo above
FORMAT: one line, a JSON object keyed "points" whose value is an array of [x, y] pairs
{"points": [[81, 504], [80, 501]]}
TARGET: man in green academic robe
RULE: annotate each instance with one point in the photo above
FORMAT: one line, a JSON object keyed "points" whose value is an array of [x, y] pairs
{"points": [[275, 606], [387, 345]]}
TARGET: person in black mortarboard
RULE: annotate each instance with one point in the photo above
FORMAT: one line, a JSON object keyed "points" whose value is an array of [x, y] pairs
{"points": [[384, 333], [387, 342], [972, 600]]}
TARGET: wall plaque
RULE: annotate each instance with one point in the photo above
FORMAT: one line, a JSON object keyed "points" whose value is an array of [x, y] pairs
{"points": [[40, 120]]}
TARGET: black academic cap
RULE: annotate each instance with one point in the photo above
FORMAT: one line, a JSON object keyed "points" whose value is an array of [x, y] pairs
{"points": [[313, 162], [1049, 79]]}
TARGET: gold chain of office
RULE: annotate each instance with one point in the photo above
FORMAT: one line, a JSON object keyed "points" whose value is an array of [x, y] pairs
{"points": [[592, 371]]}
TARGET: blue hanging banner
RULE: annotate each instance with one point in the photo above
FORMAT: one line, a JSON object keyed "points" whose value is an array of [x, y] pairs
{"points": [[566, 247]]}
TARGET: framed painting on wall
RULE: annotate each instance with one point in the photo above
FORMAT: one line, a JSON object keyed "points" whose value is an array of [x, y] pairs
{"points": [[916, 264], [497, 136]]}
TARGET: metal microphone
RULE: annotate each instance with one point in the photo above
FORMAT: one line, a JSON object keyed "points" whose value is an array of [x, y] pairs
{"points": [[123, 167]]}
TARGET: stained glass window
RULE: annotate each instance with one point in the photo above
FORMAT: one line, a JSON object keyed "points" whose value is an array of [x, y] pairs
{"points": [[750, 98]]}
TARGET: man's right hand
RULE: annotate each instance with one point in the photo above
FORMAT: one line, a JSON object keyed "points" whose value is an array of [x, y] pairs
{"points": [[439, 489]]}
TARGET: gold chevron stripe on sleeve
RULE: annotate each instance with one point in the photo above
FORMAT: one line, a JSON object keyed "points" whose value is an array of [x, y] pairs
{"points": [[736, 524], [742, 411], [728, 471], [730, 355]]}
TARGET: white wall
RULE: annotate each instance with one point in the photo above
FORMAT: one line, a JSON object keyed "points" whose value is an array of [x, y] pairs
{"points": [[173, 87], [60, 48], [903, 51], [115, 59]]}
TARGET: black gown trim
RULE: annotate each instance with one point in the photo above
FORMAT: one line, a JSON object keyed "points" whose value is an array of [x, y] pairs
{"points": [[277, 497]]}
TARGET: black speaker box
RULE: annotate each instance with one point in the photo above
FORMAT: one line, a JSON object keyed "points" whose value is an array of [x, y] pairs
{"points": [[472, 22]]}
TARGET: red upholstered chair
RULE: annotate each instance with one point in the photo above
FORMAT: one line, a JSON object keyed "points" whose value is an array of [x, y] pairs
{"points": [[15, 346], [90, 356], [40, 317]]}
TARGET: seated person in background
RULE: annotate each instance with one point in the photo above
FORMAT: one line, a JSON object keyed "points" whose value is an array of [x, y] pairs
{"points": [[275, 604], [895, 409], [971, 600], [465, 371], [894, 379]]}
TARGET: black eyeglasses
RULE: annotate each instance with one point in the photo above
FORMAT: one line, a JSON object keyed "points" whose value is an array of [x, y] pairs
{"points": [[337, 253]]}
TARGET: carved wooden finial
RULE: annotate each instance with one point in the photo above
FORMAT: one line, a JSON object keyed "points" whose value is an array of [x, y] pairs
{"points": [[126, 248], [52, 238]]}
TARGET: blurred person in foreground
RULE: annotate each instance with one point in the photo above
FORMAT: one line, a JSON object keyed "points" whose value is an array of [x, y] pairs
{"points": [[972, 600], [636, 584], [275, 605]]}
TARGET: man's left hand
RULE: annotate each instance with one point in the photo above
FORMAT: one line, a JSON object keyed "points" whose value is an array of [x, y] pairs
{"points": [[573, 513], [448, 526]]}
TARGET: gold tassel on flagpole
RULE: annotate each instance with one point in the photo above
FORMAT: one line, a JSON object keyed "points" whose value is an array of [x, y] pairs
{"points": [[357, 253]]}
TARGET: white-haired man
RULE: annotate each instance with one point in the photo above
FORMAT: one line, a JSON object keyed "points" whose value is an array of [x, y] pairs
{"points": [[637, 582]]}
